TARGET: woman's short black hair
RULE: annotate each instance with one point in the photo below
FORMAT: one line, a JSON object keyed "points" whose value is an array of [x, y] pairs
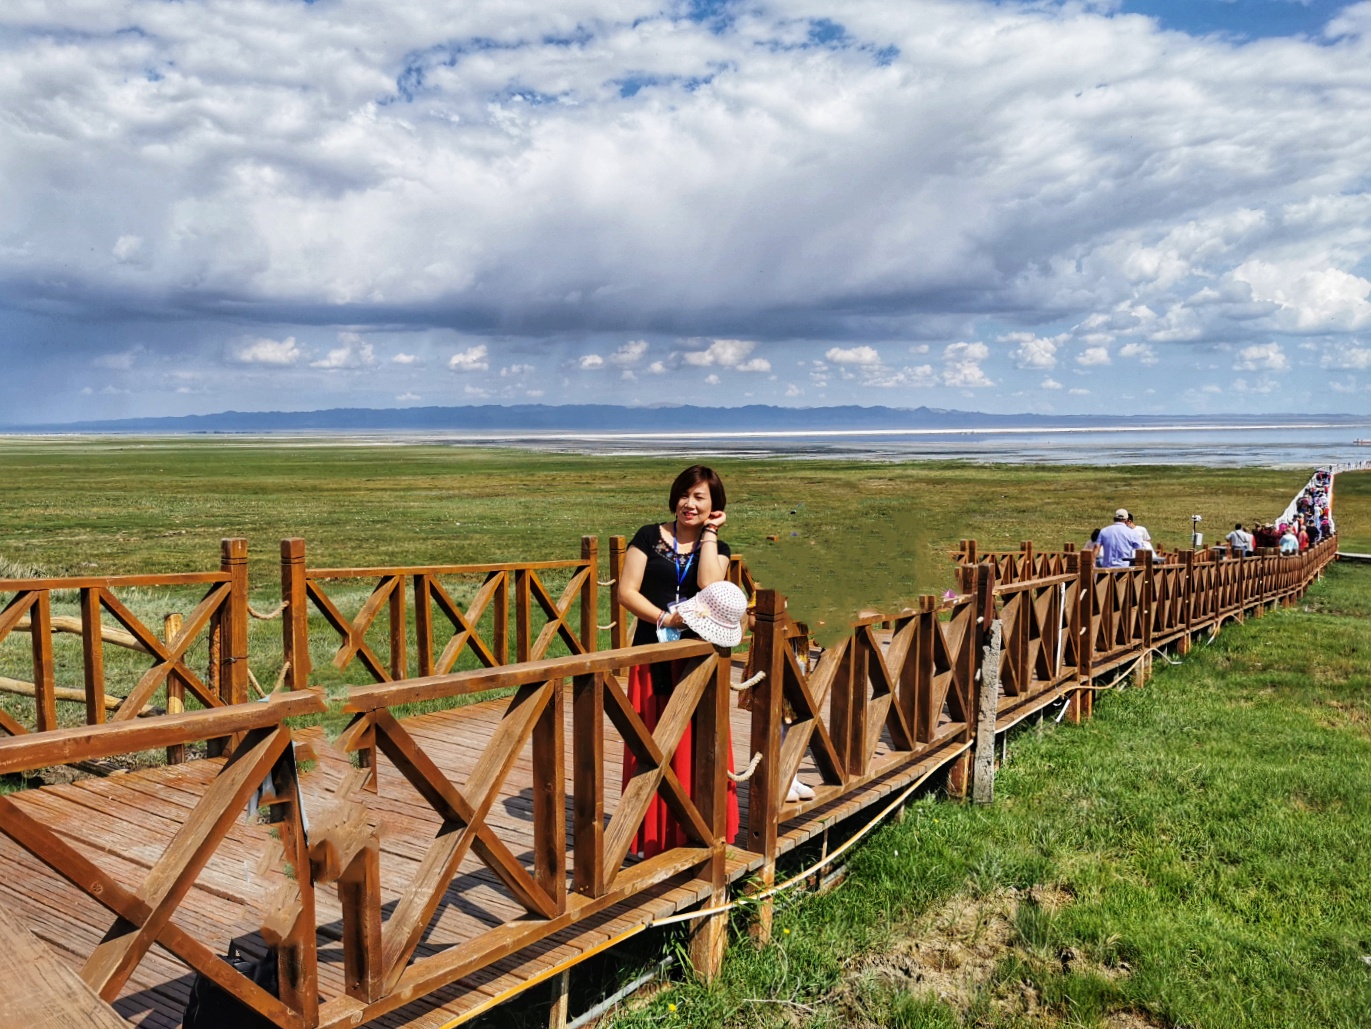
{"points": [[692, 477]]}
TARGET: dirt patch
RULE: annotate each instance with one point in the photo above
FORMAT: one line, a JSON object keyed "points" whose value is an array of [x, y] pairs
{"points": [[953, 954]]}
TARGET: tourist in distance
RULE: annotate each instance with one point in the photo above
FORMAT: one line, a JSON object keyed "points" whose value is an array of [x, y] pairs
{"points": [[667, 567], [1143, 535], [1290, 543], [1118, 543], [1241, 540]]}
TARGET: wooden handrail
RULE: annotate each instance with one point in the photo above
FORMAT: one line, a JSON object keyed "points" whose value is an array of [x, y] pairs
{"points": [[88, 742], [460, 684], [472, 569], [113, 582]]}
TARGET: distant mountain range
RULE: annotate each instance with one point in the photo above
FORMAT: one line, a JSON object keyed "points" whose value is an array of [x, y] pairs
{"points": [[611, 418]]}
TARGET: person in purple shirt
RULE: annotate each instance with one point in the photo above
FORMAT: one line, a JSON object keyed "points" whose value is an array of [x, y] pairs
{"points": [[1118, 542]]}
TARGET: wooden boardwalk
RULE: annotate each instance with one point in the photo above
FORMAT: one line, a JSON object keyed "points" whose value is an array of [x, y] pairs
{"points": [[125, 822], [490, 850]]}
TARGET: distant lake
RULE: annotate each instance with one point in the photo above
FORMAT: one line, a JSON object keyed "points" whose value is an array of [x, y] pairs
{"points": [[1266, 446]]}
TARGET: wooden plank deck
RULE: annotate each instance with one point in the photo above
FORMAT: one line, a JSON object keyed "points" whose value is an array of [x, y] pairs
{"points": [[126, 821]]}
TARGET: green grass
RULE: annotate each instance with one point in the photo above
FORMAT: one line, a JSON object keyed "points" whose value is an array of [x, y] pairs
{"points": [[848, 536], [1208, 831], [1207, 834], [1352, 506]]}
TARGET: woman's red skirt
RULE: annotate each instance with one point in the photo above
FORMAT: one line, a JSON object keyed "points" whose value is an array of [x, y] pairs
{"points": [[660, 831]]}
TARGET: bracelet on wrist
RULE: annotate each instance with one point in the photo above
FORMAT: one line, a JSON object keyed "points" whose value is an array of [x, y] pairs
{"points": [[661, 617]]}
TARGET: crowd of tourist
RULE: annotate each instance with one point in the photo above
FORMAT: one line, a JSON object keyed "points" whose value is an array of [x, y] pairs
{"points": [[1307, 521]]}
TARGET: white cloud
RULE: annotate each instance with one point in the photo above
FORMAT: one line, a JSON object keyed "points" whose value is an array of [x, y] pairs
{"points": [[126, 247], [1050, 383], [1353, 357], [712, 379], [729, 353], [407, 396], [1032, 351], [630, 353], [1311, 299], [355, 352], [1077, 391], [1267, 357], [962, 365], [854, 355], [1093, 356], [657, 368], [792, 390], [516, 369], [373, 168], [404, 359], [472, 359], [269, 351], [1142, 351], [589, 361]]}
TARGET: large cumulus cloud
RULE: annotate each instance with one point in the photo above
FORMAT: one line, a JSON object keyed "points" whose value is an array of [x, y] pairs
{"points": [[768, 171]]}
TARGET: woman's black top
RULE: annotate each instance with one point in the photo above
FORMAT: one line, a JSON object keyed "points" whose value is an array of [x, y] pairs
{"points": [[659, 577]]}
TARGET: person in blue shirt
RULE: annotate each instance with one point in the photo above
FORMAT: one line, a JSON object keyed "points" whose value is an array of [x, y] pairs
{"points": [[1118, 542]]}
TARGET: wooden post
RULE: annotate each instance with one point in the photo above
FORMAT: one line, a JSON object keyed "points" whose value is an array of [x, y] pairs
{"points": [[399, 631], [234, 658], [979, 580], [590, 597], [1187, 597], [44, 674], [561, 990], [1086, 596], [499, 634], [176, 688], [297, 949], [359, 895], [764, 788], [549, 797], [920, 665], [295, 617], [588, 785], [93, 655], [423, 623], [709, 775], [983, 779], [1148, 610], [523, 624], [618, 632]]}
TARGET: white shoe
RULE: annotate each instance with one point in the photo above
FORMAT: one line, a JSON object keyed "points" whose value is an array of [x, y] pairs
{"points": [[798, 792]]}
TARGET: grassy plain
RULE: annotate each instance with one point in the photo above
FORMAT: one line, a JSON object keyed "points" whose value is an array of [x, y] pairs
{"points": [[1195, 856]]}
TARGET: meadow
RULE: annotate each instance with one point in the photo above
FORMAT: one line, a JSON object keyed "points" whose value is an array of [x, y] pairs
{"points": [[1192, 857], [835, 538]]}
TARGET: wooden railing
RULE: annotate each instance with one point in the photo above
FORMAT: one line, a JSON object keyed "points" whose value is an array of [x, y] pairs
{"points": [[902, 694], [481, 629], [388, 974], [221, 614], [143, 916]]}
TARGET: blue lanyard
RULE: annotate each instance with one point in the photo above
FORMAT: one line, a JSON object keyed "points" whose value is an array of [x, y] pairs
{"points": [[681, 570]]}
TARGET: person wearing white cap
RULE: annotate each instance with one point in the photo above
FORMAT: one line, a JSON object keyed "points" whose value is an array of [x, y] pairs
{"points": [[668, 568], [1118, 542]]}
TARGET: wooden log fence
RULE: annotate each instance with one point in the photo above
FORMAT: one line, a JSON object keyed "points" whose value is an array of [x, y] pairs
{"points": [[221, 616], [481, 629], [142, 915], [900, 696]]}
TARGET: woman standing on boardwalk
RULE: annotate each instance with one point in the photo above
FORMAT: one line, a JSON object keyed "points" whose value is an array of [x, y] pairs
{"points": [[665, 564]]}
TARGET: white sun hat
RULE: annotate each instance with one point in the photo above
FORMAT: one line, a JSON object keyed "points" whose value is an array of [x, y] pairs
{"points": [[716, 613]]}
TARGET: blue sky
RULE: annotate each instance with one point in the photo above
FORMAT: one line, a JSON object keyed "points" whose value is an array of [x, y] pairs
{"points": [[1137, 207]]}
